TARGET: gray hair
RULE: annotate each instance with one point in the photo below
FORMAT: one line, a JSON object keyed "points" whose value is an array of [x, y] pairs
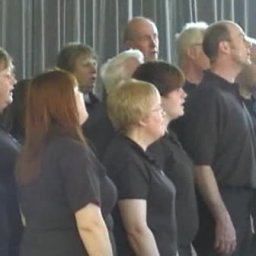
{"points": [[115, 70], [191, 34]]}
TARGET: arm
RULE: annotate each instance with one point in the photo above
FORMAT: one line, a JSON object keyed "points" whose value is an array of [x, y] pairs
{"points": [[93, 231], [133, 213], [225, 235]]}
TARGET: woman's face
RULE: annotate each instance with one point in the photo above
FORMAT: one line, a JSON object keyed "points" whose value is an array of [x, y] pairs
{"points": [[155, 122], [82, 112], [173, 103]]}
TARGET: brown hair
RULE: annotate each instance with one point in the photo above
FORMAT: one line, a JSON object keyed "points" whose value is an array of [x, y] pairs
{"points": [[67, 57], [164, 76], [50, 106]]}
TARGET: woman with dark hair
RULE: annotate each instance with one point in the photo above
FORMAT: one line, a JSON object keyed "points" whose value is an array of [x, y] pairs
{"points": [[65, 193], [176, 164]]}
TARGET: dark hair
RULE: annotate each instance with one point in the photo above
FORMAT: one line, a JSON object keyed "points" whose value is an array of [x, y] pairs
{"points": [[16, 110], [50, 106], [68, 55], [164, 76], [215, 34]]}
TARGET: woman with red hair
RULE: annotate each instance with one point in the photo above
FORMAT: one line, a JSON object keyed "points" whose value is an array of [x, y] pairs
{"points": [[66, 196]]}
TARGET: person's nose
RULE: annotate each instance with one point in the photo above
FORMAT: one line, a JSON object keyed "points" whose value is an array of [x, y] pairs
{"points": [[153, 41], [183, 94]]}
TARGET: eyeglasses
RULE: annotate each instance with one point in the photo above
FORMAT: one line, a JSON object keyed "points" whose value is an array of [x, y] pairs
{"points": [[159, 109]]}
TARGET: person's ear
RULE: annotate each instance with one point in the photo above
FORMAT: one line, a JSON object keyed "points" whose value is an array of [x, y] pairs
{"points": [[225, 47]]}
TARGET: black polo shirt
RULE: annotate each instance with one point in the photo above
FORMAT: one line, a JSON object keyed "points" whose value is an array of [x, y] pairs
{"points": [[137, 177], [10, 219], [98, 128], [70, 178], [178, 124], [179, 168], [218, 132]]}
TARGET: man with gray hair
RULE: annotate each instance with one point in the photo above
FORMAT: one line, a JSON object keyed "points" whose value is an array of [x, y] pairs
{"points": [[193, 61], [120, 67], [191, 57]]}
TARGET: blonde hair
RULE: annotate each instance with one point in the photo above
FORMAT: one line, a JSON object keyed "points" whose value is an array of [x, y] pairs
{"points": [[130, 103]]}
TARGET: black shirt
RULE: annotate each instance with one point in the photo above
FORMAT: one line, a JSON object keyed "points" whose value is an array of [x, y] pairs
{"points": [[137, 177], [70, 178], [10, 219], [178, 124], [98, 128], [179, 168], [218, 132]]}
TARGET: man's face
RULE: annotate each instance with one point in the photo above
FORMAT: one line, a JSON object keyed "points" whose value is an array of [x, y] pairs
{"points": [[201, 61], [7, 80], [240, 47], [145, 38], [85, 71]]}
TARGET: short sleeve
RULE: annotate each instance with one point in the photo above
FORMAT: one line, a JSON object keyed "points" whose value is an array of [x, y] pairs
{"points": [[131, 179], [79, 169]]}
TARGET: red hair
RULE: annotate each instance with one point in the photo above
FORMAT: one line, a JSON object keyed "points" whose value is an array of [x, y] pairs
{"points": [[50, 105]]}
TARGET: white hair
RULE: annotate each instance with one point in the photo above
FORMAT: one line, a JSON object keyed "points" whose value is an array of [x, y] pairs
{"points": [[115, 69], [192, 33]]}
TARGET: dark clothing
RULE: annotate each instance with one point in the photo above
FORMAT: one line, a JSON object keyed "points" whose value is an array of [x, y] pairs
{"points": [[177, 125], [251, 106], [10, 219], [218, 132], [137, 177], [98, 128], [189, 88], [237, 201], [180, 169], [70, 178]]}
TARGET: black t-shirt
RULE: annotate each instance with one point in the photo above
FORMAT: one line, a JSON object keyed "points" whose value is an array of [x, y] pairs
{"points": [[178, 124], [98, 128], [217, 132], [10, 219], [179, 168], [137, 177], [70, 178]]}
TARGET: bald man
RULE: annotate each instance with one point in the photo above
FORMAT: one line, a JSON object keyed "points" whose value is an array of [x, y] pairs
{"points": [[141, 33], [219, 139]]}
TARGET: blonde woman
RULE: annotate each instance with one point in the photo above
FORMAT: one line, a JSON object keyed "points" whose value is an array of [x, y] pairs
{"points": [[145, 214]]}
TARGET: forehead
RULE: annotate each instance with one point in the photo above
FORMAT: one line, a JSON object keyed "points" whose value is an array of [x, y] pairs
{"points": [[140, 27], [85, 57], [235, 30]]}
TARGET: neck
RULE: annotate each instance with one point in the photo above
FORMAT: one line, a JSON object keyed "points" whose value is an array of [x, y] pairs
{"points": [[192, 73], [245, 93], [139, 136], [226, 69]]}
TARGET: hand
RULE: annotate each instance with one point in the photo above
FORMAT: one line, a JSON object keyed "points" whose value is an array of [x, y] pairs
{"points": [[225, 236]]}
